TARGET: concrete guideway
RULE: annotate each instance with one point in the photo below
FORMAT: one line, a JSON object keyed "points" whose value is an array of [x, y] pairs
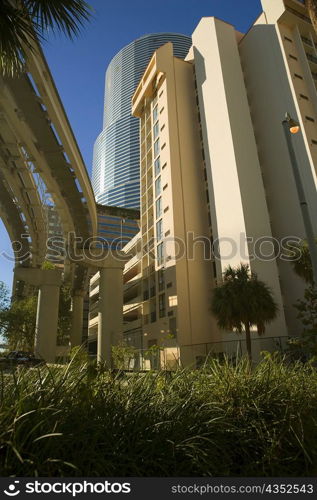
{"points": [[37, 142]]}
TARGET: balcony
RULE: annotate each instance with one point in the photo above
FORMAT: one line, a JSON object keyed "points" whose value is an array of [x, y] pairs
{"points": [[311, 58], [307, 41]]}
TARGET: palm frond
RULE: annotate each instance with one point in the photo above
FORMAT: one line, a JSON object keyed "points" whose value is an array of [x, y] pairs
{"points": [[66, 16], [16, 33]]}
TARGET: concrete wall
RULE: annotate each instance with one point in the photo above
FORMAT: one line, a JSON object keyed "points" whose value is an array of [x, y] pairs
{"points": [[233, 168]]}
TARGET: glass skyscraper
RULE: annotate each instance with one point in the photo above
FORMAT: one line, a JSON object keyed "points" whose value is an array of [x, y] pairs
{"points": [[116, 164]]}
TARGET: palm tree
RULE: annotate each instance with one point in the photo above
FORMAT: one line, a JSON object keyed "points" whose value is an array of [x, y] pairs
{"points": [[23, 22], [301, 261], [311, 6], [242, 301]]}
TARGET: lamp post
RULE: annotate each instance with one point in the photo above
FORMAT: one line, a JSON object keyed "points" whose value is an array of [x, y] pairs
{"points": [[292, 127]]}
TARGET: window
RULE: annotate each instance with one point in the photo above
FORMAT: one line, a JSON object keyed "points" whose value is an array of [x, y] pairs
{"points": [[155, 113], [309, 118], [159, 230], [156, 130], [304, 97], [173, 326], [165, 187], [158, 207], [293, 57], [166, 209], [156, 147], [298, 76], [158, 186], [169, 285], [157, 166], [161, 93], [167, 233], [164, 165], [160, 253], [164, 145], [163, 127], [162, 110], [288, 39], [162, 305], [161, 280], [313, 141], [172, 300]]}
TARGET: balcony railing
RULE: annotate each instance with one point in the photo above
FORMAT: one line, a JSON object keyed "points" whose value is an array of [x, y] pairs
{"points": [[307, 41], [311, 58], [299, 14]]}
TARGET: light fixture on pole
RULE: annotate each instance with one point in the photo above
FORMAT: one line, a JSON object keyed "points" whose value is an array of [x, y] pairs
{"points": [[291, 126]]}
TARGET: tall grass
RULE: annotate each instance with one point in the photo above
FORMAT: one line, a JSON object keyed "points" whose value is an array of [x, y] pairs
{"points": [[219, 420]]}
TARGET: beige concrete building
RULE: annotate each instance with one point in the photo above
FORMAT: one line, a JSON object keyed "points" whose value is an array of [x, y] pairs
{"points": [[177, 276], [216, 172], [279, 62]]}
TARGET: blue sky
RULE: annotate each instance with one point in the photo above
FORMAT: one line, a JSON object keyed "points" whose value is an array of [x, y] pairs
{"points": [[78, 67]]}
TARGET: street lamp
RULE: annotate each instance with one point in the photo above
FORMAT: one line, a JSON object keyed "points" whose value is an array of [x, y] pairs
{"points": [[290, 127]]}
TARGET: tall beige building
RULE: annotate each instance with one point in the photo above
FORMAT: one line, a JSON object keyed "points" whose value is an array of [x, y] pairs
{"points": [[279, 61], [177, 276], [216, 174]]}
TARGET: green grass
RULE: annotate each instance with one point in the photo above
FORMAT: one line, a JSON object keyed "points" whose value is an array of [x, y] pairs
{"points": [[218, 421]]}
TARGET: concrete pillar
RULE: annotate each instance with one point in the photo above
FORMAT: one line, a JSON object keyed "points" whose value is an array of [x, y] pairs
{"points": [[46, 322], [48, 281], [110, 324], [110, 263], [77, 318]]}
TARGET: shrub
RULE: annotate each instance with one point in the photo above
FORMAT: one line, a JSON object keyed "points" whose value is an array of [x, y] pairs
{"points": [[217, 421]]}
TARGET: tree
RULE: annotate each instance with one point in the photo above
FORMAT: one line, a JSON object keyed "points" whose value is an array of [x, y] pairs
{"points": [[307, 313], [17, 323], [64, 314], [4, 296], [300, 258], [23, 22], [242, 301]]}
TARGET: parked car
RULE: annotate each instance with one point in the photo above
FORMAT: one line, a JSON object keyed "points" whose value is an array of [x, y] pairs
{"points": [[15, 358]]}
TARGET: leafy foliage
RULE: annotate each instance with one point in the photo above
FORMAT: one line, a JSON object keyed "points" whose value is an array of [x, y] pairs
{"points": [[24, 22], [221, 420], [18, 323], [242, 301], [307, 313], [301, 262], [4, 296]]}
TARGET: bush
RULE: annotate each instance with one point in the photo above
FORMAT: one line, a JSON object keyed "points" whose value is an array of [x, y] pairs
{"points": [[220, 420]]}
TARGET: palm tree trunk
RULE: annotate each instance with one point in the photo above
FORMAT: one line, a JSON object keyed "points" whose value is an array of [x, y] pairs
{"points": [[248, 341]]}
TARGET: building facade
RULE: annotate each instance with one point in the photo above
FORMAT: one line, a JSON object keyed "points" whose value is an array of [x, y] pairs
{"points": [[116, 166], [217, 187]]}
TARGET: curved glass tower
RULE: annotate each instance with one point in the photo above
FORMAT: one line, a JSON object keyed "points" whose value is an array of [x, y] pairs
{"points": [[115, 174]]}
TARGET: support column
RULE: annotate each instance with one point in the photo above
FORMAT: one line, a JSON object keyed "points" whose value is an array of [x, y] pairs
{"points": [[48, 281], [46, 322], [110, 324], [110, 263], [77, 318]]}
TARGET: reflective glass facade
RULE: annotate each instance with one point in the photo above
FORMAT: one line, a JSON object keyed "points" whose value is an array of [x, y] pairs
{"points": [[116, 165]]}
